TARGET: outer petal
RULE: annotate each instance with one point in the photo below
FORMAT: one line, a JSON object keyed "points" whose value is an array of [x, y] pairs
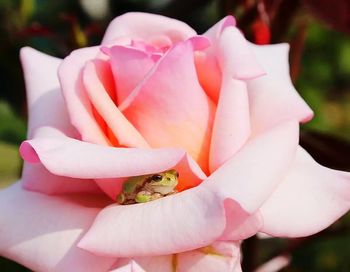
{"points": [[231, 126], [199, 216], [231, 52], [240, 230], [179, 113], [209, 72], [78, 104], [69, 157], [45, 102], [164, 263], [220, 256], [236, 56], [273, 98], [237, 63], [311, 196], [215, 31], [254, 172], [146, 27], [127, 265], [41, 232], [46, 108], [185, 221], [36, 177]]}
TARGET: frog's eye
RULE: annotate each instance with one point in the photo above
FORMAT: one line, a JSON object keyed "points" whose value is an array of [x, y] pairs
{"points": [[157, 177]]}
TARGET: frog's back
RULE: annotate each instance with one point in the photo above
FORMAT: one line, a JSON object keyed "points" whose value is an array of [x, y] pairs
{"points": [[130, 186]]}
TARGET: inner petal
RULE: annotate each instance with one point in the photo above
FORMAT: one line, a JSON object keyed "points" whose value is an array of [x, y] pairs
{"points": [[209, 74], [129, 66], [170, 108], [98, 82]]}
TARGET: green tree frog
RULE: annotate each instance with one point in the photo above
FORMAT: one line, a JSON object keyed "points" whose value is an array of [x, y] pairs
{"points": [[146, 188]]}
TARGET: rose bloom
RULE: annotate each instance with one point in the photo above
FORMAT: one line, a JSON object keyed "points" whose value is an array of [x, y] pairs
{"points": [[156, 96]]}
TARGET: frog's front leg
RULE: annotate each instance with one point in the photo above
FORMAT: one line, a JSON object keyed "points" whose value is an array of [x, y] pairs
{"points": [[146, 196], [143, 196]]}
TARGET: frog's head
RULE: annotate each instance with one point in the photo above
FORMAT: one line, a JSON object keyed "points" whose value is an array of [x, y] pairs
{"points": [[164, 182]]}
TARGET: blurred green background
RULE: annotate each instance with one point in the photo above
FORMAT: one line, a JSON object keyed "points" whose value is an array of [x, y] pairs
{"points": [[318, 32]]}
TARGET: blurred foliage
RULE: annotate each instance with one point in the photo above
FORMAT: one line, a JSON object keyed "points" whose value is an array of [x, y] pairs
{"points": [[327, 251], [12, 127], [324, 80], [10, 164], [320, 68]]}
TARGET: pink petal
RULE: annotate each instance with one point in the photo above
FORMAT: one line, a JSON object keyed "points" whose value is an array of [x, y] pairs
{"points": [[229, 54], [215, 31], [127, 265], [69, 157], [78, 104], [35, 177], [171, 101], [220, 256], [235, 56], [254, 172], [97, 78], [239, 230], [199, 216], [129, 66], [146, 27], [43, 92], [41, 232], [164, 263], [273, 98], [231, 126], [111, 186], [173, 224], [47, 108], [209, 73], [311, 196]]}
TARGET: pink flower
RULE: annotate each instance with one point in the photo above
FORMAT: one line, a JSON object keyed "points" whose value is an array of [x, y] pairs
{"points": [[155, 96]]}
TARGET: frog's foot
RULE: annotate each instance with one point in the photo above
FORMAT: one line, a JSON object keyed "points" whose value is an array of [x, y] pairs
{"points": [[156, 196], [172, 192], [125, 199], [121, 198], [129, 202], [146, 196], [143, 196]]}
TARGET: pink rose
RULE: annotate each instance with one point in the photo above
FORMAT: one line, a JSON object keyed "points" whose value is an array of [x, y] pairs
{"points": [[156, 96]]}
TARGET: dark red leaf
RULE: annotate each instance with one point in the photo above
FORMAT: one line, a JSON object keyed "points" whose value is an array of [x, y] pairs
{"points": [[326, 149], [334, 13]]}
